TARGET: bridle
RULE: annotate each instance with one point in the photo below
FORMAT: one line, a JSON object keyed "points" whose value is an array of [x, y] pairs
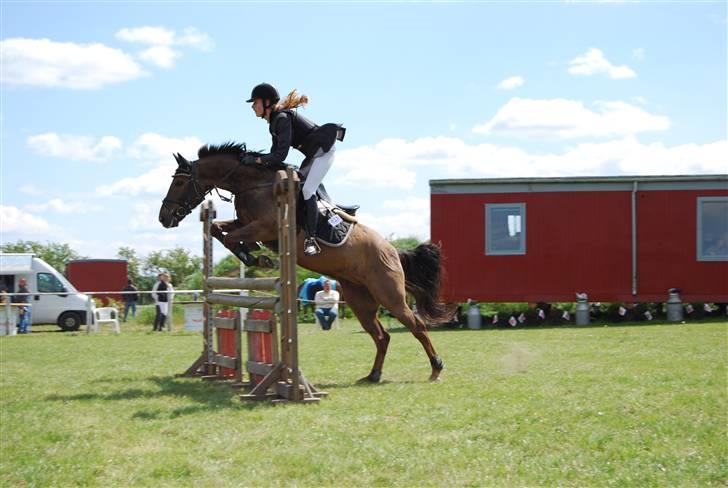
{"points": [[188, 203]]}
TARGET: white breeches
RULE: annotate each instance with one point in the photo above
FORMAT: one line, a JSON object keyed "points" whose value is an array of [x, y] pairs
{"points": [[321, 164]]}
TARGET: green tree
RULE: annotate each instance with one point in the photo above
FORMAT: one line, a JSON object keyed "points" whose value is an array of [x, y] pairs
{"points": [[179, 262], [133, 263], [405, 243], [53, 253]]}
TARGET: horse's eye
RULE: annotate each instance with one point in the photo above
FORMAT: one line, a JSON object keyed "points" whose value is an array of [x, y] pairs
{"points": [[179, 183]]}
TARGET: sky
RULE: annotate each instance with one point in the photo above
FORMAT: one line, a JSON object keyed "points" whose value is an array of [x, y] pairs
{"points": [[95, 97]]}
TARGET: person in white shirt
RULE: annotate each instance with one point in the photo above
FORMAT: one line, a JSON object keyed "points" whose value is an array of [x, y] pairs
{"points": [[327, 305], [162, 292]]}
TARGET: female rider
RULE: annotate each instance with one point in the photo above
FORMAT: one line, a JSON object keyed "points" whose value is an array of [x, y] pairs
{"points": [[290, 129]]}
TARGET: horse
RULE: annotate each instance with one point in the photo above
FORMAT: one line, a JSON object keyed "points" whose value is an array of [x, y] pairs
{"points": [[370, 269]]}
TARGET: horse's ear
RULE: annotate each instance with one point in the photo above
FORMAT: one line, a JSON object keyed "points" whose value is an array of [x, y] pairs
{"points": [[181, 161]]}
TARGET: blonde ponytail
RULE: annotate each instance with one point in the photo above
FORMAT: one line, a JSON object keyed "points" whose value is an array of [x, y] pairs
{"points": [[293, 100]]}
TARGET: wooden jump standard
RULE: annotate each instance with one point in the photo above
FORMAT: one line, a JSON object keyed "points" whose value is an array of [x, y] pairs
{"points": [[282, 380]]}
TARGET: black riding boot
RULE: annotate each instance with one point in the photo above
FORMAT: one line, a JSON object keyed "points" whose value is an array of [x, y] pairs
{"points": [[310, 210]]}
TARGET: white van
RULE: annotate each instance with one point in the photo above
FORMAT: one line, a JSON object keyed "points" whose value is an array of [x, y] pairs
{"points": [[66, 307]]}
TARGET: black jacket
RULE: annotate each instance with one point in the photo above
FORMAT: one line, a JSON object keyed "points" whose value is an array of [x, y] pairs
{"points": [[130, 297], [290, 129]]}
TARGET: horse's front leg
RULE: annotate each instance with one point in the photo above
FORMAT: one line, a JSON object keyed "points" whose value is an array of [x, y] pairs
{"points": [[240, 250], [247, 235]]}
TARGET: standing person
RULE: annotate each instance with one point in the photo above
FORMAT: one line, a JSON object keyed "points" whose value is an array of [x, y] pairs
{"points": [[130, 299], [289, 129], [162, 292], [24, 316], [327, 305]]}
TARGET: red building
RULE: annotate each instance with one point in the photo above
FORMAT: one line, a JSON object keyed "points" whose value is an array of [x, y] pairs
{"points": [[619, 239], [92, 275]]}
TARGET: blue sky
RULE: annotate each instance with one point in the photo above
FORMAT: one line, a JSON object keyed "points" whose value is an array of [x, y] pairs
{"points": [[96, 96]]}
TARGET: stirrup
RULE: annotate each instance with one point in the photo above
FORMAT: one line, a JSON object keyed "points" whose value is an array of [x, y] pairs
{"points": [[310, 247]]}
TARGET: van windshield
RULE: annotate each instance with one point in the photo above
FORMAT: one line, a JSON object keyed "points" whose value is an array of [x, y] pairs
{"points": [[48, 283]]}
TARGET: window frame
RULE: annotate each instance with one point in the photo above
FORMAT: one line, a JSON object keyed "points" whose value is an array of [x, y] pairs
{"points": [[55, 278], [699, 228], [489, 251]]}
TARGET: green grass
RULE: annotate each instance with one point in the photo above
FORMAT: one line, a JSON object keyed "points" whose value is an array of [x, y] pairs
{"points": [[621, 405]]}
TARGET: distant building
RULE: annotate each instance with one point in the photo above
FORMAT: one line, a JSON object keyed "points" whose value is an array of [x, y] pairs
{"points": [[619, 239]]}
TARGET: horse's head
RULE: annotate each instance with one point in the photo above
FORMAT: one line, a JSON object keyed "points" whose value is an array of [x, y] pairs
{"points": [[184, 194]]}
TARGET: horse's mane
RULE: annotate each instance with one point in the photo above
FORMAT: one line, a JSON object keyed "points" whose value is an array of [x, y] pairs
{"points": [[232, 148]]}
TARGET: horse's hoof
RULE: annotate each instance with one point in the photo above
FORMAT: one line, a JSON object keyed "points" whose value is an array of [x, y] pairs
{"points": [[372, 377], [435, 376], [265, 262]]}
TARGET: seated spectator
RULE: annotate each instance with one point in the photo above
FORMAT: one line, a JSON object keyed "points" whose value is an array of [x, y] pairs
{"points": [[327, 305]]}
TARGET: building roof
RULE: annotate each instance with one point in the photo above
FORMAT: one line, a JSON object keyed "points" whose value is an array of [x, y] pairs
{"points": [[580, 183]]}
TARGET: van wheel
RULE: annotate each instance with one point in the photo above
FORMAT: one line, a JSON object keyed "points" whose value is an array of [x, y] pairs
{"points": [[69, 321]]}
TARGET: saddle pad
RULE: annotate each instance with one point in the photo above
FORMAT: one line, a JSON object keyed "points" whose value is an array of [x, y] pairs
{"points": [[332, 230]]}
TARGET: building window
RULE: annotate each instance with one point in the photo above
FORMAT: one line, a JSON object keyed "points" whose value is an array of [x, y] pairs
{"points": [[505, 228], [712, 228], [47, 283]]}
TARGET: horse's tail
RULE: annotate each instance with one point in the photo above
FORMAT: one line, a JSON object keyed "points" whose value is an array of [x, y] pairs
{"points": [[422, 279]]}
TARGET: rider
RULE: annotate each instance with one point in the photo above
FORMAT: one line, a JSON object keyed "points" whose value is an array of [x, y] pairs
{"points": [[291, 129]]}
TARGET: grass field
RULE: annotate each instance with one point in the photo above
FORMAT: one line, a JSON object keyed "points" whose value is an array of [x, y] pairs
{"points": [[610, 405]]}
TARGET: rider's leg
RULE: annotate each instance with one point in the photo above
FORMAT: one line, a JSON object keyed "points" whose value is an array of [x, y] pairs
{"points": [[318, 169]]}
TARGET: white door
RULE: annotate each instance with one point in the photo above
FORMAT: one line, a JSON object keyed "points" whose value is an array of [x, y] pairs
{"points": [[47, 308]]}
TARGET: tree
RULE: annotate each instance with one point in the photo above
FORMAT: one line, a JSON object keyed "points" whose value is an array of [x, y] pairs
{"points": [[405, 243], [179, 262], [133, 263], [53, 253]]}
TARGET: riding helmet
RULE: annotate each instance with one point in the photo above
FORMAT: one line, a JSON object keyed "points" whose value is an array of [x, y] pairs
{"points": [[264, 91]]}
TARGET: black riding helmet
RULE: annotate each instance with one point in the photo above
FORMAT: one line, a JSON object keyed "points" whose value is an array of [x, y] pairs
{"points": [[264, 91]]}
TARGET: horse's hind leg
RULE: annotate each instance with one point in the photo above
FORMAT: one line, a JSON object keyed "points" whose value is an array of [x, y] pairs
{"points": [[393, 299], [365, 308]]}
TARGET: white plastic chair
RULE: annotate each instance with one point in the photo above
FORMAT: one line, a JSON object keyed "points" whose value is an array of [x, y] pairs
{"points": [[106, 315], [335, 325]]}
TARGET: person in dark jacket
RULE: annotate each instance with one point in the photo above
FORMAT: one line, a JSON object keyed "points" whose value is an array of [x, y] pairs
{"points": [[289, 129], [130, 299]]}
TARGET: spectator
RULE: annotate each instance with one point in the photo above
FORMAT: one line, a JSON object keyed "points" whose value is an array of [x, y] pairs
{"points": [[162, 293], [24, 317], [327, 305], [130, 299]]}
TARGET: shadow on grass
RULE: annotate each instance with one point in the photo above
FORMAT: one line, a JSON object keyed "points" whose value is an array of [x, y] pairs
{"points": [[207, 396]]}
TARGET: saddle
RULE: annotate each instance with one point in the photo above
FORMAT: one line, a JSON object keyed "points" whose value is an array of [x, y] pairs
{"points": [[335, 222]]}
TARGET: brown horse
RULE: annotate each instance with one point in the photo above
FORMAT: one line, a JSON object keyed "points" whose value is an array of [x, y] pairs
{"points": [[370, 269]]}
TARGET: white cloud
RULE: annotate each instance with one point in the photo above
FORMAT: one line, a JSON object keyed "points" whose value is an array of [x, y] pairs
{"points": [[593, 62], [160, 56], [42, 62], [162, 40], [31, 190], [399, 225], [511, 83], [154, 181], [155, 36], [15, 220], [409, 203], [193, 37], [57, 205], [565, 119], [154, 147], [80, 148], [157, 149], [456, 159]]}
